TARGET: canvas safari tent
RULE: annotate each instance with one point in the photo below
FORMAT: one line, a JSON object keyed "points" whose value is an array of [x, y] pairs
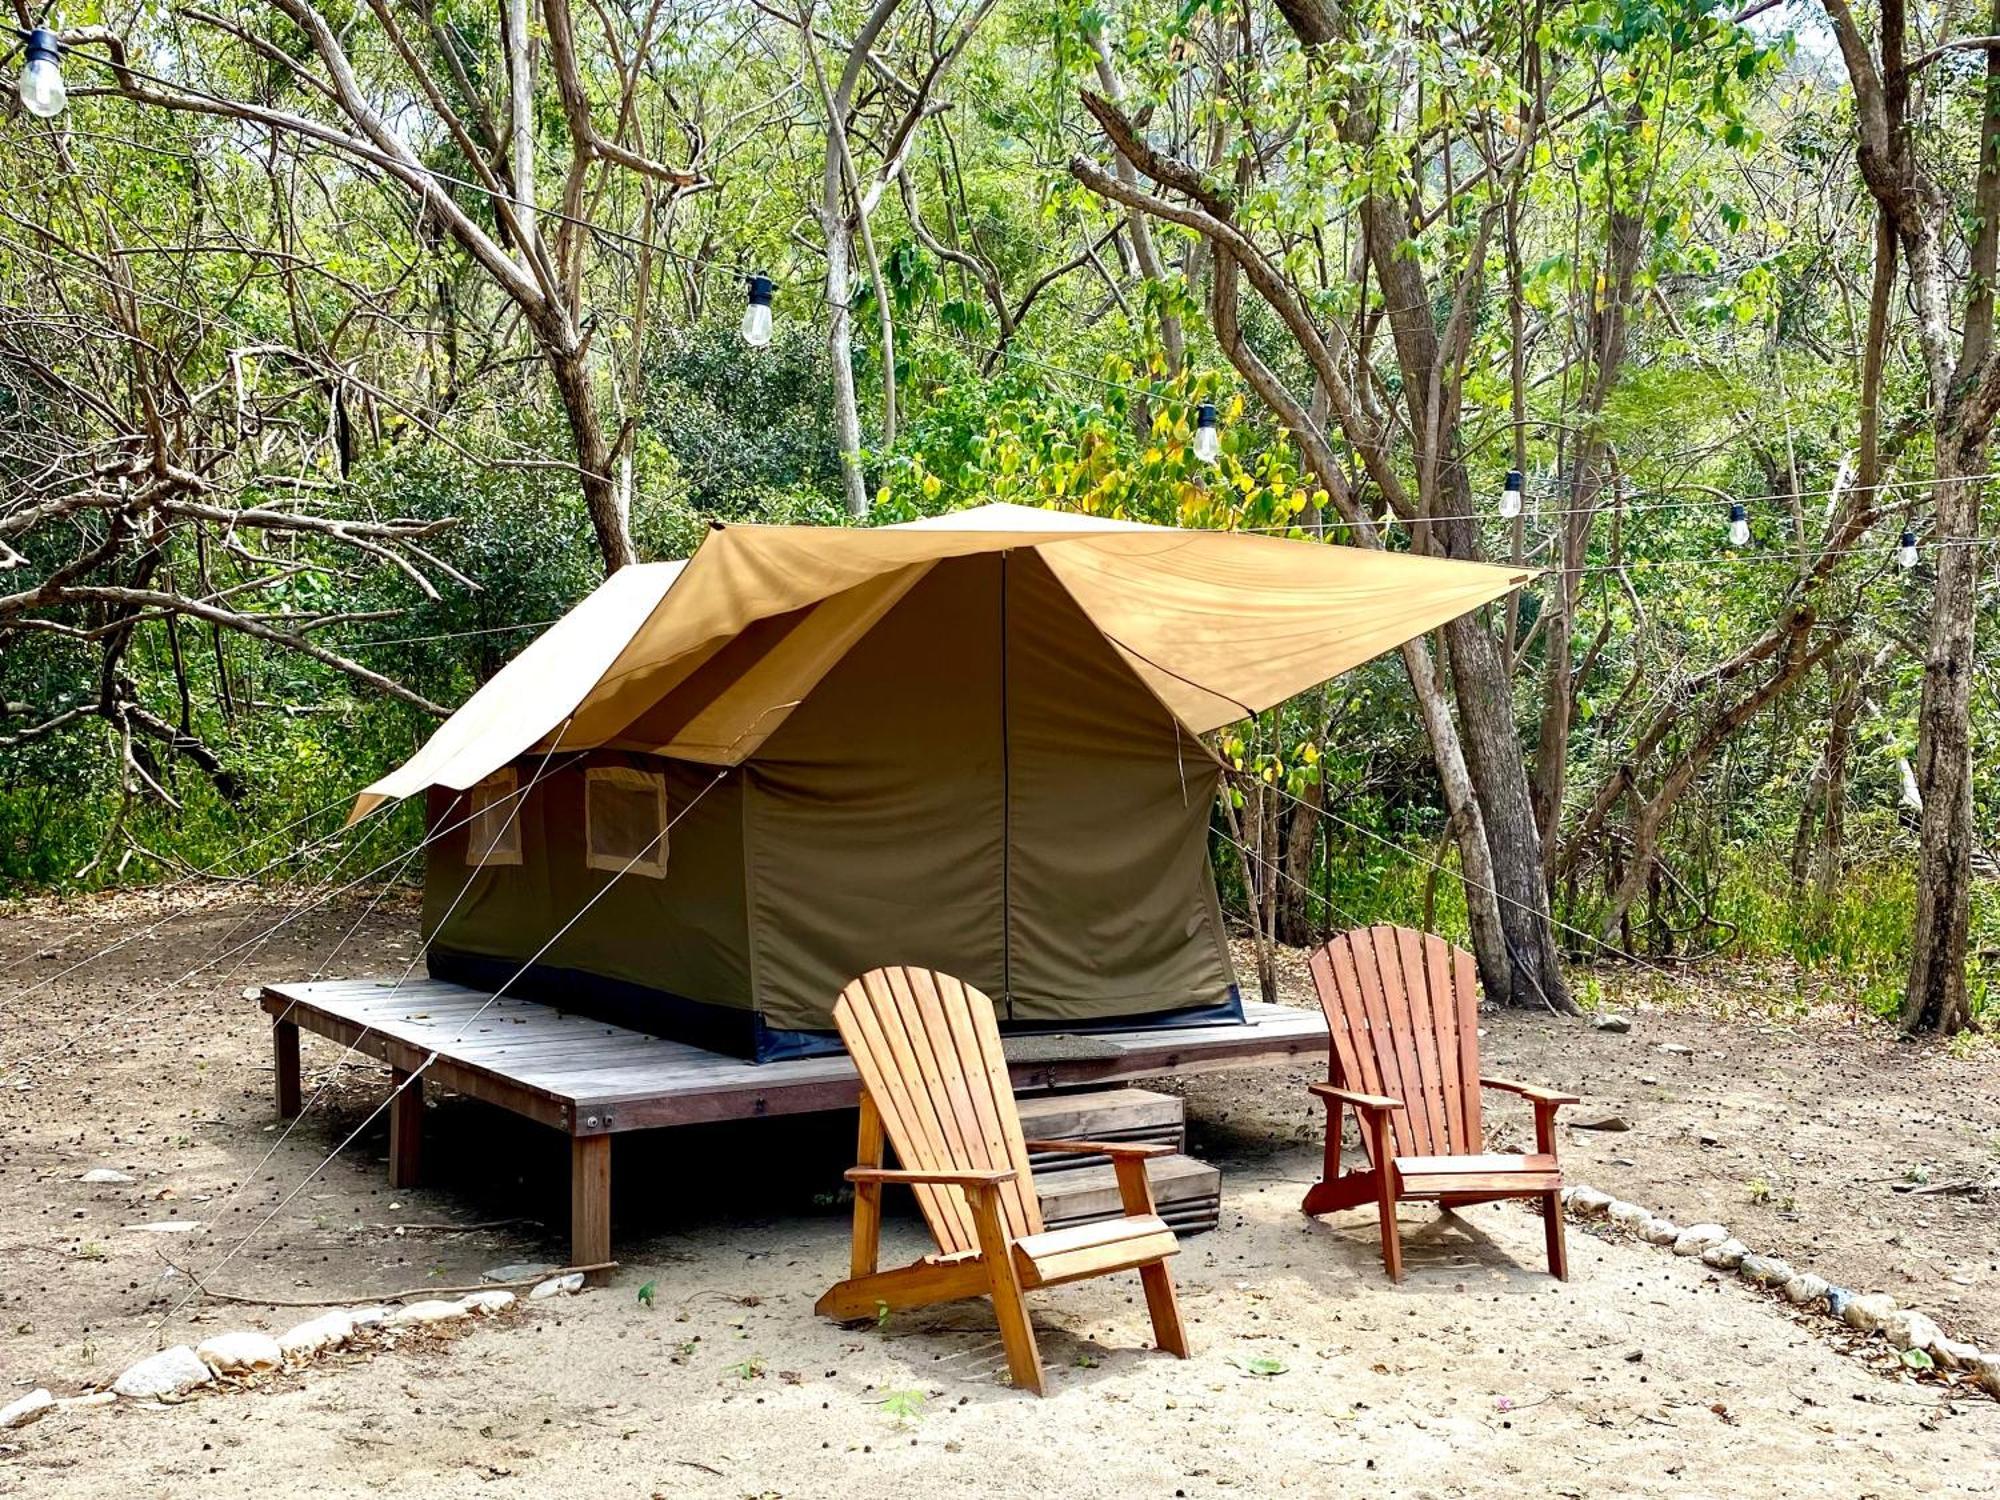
{"points": [[725, 787]]}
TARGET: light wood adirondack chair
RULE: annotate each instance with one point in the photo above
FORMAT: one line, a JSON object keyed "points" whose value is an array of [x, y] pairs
{"points": [[935, 1083], [1402, 1009]]}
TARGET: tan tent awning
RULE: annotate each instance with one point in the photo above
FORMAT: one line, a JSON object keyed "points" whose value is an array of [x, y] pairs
{"points": [[703, 660]]}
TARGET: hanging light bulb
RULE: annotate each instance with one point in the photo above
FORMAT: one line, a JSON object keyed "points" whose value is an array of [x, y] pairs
{"points": [[1510, 497], [1739, 524], [1207, 436], [1906, 550], [757, 315], [41, 87]]}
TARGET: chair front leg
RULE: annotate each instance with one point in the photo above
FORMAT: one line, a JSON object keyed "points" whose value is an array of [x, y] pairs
{"points": [[1135, 1195], [868, 1150], [1385, 1193], [1338, 1189], [1552, 1208], [1010, 1308], [1545, 1126]]}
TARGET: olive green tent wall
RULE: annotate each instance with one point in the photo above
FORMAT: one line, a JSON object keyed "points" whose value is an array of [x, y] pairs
{"points": [[979, 784], [633, 939]]}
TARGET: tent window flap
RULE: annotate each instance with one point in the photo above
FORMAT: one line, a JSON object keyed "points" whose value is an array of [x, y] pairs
{"points": [[493, 832], [625, 821]]}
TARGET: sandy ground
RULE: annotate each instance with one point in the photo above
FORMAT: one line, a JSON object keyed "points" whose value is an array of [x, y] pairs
{"points": [[1479, 1376]]}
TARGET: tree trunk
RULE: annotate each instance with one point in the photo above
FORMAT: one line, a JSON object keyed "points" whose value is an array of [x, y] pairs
{"points": [[1500, 781], [1936, 998], [1607, 324], [593, 454], [1144, 252], [840, 350], [1483, 907], [1295, 925]]}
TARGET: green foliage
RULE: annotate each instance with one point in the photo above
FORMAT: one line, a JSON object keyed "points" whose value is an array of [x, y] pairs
{"points": [[354, 357]]}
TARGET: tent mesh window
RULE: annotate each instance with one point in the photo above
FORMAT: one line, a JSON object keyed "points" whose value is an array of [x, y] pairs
{"points": [[625, 821], [493, 832]]}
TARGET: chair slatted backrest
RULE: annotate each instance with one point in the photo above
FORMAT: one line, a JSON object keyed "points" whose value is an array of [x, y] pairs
{"points": [[928, 1050], [1402, 1010]]}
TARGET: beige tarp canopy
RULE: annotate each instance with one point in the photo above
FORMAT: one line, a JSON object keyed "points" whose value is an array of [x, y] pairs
{"points": [[702, 661], [716, 791]]}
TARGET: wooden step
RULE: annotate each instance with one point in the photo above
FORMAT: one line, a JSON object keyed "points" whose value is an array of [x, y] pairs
{"points": [[1127, 1116], [1186, 1193]]}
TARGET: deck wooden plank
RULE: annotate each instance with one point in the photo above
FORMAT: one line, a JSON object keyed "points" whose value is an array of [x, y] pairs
{"points": [[564, 1069]]}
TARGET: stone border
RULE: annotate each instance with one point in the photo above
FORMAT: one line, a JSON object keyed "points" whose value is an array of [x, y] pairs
{"points": [[1869, 1314], [180, 1371]]}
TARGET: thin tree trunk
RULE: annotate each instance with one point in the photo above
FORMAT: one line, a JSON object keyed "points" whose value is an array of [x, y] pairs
{"points": [[838, 230], [1144, 252], [1483, 906], [840, 349], [1301, 839], [593, 454], [1607, 324], [1936, 998]]}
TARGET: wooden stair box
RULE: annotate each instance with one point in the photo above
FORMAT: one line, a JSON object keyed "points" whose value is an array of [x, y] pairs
{"points": [[1127, 1116], [1186, 1193]]}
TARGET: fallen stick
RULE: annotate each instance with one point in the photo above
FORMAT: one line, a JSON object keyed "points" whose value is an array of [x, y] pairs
{"points": [[1930, 1189], [403, 1296]]}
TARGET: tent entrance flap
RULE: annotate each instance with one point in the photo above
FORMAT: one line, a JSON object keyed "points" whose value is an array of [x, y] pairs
{"points": [[981, 785]]}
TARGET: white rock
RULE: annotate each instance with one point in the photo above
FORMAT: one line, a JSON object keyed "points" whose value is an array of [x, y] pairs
{"points": [[1658, 1231], [1765, 1270], [487, 1302], [1806, 1288], [104, 1177], [171, 1372], [1726, 1256], [1868, 1313], [1911, 1330], [169, 1226], [367, 1317], [1585, 1202], [426, 1312], [1954, 1355], [1699, 1237], [327, 1331], [557, 1286], [36, 1404], [243, 1352], [1631, 1215]]}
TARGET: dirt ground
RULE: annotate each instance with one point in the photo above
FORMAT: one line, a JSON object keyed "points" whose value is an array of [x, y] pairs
{"points": [[1788, 1119]]}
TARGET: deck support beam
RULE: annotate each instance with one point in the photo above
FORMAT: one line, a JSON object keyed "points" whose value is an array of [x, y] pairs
{"points": [[285, 1066], [406, 1130], [590, 1203]]}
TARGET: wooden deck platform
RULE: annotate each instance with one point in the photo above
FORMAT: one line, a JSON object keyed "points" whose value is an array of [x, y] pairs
{"points": [[591, 1080]]}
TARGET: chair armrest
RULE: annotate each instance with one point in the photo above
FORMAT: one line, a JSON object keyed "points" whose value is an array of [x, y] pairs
{"points": [[1114, 1149], [1336, 1095], [1531, 1091], [970, 1179]]}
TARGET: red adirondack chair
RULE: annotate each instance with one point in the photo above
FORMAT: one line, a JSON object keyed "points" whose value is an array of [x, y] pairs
{"points": [[1402, 1009]]}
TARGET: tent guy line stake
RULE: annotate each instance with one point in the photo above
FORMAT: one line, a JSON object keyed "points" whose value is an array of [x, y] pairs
{"points": [[423, 1067]]}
